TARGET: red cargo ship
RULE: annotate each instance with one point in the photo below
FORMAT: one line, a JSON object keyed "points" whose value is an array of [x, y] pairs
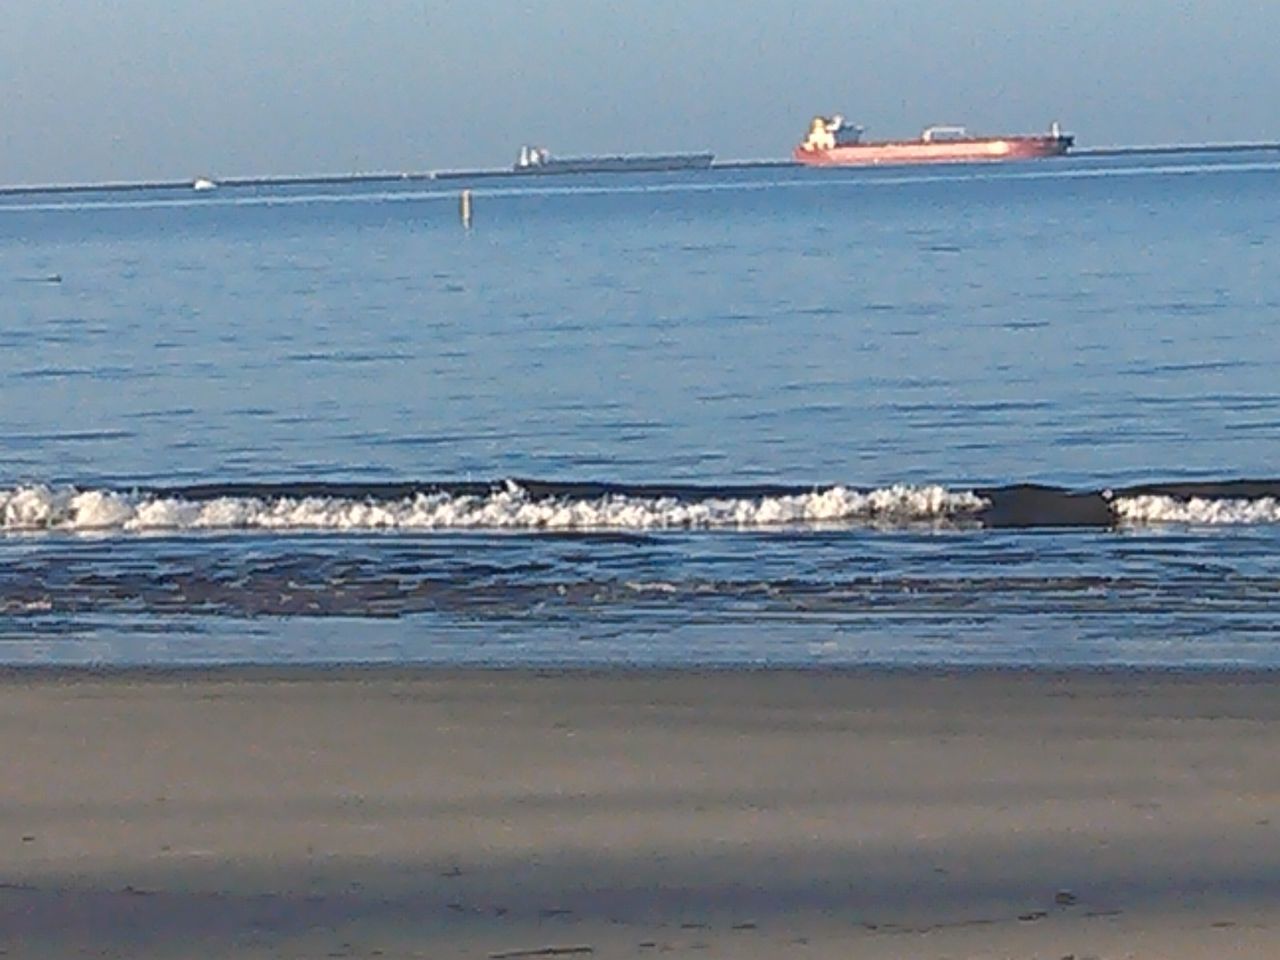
{"points": [[833, 143]]}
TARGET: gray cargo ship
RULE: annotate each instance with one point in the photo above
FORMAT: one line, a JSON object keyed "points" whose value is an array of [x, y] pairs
{"points": [[537, 160]]}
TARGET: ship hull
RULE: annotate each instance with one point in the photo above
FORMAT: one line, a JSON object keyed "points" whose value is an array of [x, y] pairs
{"points": [[622, 164], [968, 150]]}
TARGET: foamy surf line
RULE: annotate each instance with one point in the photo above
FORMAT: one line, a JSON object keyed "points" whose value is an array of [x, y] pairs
{"points": [[530, 505], [507, 506]]}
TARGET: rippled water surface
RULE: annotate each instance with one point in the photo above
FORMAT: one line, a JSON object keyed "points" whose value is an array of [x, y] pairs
{"points": [[962, 414]]}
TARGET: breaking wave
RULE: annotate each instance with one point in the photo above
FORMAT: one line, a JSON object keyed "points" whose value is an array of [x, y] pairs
{"points": [[530, 505], [505, 506], [1197, 511]]}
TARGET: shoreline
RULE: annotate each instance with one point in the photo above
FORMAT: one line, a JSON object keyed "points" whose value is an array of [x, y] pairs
{"points": [[745, 814], [358, 671]]}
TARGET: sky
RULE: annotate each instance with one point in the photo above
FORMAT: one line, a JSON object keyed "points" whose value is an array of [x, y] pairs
{"points": [[96, 90]]}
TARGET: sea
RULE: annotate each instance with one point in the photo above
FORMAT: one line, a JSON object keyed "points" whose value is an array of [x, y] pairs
{"points": [[1023, 415]]}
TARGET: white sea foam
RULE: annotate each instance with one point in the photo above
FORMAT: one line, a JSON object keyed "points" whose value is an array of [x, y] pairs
{"points": [[33, 508], [1196, 510], [43, 605]]}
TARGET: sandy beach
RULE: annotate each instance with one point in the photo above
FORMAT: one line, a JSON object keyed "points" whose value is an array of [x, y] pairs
{"points": [[393, 813]]}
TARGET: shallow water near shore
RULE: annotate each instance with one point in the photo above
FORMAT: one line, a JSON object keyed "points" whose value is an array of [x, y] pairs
{"points": [[731, 417]]}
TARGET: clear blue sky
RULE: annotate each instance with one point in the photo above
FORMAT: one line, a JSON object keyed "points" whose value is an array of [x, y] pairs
{"points": [[126, 89]]}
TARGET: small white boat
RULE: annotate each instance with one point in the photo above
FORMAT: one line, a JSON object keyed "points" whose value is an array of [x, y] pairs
{"points": [[203, 183]]}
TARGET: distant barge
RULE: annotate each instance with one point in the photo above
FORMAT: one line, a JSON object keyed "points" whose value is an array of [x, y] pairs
{"points": [[833, 143], [537, 160]]}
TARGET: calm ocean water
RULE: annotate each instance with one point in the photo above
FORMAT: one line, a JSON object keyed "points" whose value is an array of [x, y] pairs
{"points": [[936, 415]]}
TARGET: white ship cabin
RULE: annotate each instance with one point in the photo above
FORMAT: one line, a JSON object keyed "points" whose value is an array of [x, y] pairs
{"points": [[532, 157], [826, 133]]}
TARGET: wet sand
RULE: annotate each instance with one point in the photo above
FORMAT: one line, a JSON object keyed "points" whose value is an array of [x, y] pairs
{"points": [[393, 813]]}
